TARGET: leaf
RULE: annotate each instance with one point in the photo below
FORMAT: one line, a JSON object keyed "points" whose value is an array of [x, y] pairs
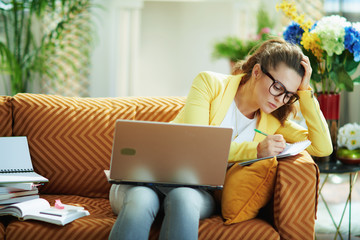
{"points": [[350, 64], [233, 48], [356, 80], [344, 79]]}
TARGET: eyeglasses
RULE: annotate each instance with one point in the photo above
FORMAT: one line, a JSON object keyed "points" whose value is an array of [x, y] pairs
{"points": [[277, 89]]}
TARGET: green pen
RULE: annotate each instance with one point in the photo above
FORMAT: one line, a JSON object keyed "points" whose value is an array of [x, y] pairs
{"points": [[265, 134], [256, 130]]}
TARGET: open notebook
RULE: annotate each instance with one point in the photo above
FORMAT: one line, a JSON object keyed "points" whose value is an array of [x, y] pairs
{"points": [[290, 150], [15, 161]]}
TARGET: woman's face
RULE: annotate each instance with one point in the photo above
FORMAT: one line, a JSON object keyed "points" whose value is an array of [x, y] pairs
{"points": [[287, 80]]}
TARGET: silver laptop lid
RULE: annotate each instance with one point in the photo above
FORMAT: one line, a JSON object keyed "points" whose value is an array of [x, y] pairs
{"points": [[165, 153]]}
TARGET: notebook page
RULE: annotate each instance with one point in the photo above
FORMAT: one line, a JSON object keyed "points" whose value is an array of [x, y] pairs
{"points": [[290, 150], [293, 149], [14, 154]]}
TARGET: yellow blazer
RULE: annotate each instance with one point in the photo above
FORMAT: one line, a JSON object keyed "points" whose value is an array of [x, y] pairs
{"points": [[210, 97]]}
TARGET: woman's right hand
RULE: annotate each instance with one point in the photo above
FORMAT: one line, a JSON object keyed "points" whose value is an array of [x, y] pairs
{"points": [[272, 145]]}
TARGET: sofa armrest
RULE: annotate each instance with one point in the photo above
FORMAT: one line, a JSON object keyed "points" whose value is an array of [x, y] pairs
{"points": [[295, 197]]}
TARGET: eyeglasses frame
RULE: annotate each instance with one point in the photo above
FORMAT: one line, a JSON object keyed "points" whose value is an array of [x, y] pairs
{"points": [[282, 85]]}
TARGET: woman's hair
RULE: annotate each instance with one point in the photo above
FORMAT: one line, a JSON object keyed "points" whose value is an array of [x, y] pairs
{"points": [[269, 55]]}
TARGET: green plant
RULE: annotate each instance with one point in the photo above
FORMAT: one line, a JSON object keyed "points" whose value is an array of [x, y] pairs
{"points": [[233, 48], [25, 50], [264, 23]]}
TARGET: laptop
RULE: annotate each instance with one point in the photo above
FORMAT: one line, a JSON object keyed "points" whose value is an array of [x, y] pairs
{"points": [[168, 154]]}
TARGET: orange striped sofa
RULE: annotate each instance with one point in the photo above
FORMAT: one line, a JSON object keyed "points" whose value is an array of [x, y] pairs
{"points": [[70, 142]]}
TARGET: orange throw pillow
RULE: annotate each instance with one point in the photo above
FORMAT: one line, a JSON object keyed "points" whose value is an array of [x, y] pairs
{"points": [[247, 189]]}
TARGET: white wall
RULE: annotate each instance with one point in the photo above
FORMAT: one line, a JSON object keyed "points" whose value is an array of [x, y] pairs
{"points": [[176, 44], [176, 39]]}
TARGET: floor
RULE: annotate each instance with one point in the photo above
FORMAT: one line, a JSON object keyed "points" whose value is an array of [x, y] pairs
{"points": [[335, 191]]}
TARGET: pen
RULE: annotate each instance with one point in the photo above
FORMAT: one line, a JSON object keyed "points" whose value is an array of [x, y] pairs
{"points": [[256, 130]]}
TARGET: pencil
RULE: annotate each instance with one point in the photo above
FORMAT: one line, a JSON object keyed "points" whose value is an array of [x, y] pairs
{"points": [[256, 130]]}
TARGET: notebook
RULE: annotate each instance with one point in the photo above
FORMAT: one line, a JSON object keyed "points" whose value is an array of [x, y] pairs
{"points": [[290, 150], [167, 154], [15, 161]]}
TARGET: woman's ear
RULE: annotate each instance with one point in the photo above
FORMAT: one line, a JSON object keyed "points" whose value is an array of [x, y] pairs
{"points": [[256, 71]]}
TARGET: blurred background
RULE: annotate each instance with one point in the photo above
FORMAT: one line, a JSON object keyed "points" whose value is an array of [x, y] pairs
{"points": [[157, 47], [117, 48]]}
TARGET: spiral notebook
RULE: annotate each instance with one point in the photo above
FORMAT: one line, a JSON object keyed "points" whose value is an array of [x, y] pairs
{"points": [[290, 150], [15, 161]]}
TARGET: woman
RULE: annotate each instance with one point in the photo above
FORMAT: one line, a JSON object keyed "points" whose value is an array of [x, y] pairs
{"points": [[261, 96]]}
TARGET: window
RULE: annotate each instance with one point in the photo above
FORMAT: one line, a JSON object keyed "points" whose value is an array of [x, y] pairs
{"points": [[348, 8]]}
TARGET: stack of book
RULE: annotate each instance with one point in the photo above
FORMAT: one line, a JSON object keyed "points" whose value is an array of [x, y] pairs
{"points": [[17, 192], [17, 175]]}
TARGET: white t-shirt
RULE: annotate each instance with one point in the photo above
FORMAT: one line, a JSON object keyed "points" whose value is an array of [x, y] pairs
{"points": [[243, 127]]}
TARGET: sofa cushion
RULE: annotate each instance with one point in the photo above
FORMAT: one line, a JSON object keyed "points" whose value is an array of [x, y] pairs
{"points": [[159, 109], [101, 219], [5, 116], [70, 138], [247, 189], [213, 228]]}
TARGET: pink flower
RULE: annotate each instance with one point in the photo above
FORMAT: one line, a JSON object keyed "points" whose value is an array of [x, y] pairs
{"points": [[265, 30]]}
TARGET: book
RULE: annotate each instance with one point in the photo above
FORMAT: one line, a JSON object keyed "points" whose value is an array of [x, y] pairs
{"points": [[9, 195], [40, 210], [15, 161], [18, 199], [290, 150], [14, 187]]}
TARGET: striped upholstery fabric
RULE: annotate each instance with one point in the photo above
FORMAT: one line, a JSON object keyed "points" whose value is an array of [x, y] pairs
{"points": [[295, 197], [5, 116], [2, 231], [101, 219], [159, 109], [213, 228], [70, 138]]}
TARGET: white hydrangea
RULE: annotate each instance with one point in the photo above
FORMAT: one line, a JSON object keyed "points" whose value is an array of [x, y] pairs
{"points": [[349, 136], [331, 31]]}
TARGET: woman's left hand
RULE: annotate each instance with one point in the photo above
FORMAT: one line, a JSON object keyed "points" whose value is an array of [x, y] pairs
{"points": [[305, 83]]}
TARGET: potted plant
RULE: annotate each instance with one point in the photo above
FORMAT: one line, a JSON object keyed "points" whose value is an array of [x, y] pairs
{"points": [[349, 144], [235, 49], [25, 50], [333, 47]]}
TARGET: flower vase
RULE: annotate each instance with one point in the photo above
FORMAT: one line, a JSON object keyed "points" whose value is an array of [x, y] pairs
{"points": [[330, 107]]}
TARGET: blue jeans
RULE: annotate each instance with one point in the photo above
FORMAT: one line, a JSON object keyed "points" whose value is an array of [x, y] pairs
{"points": [[183, 208]]}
